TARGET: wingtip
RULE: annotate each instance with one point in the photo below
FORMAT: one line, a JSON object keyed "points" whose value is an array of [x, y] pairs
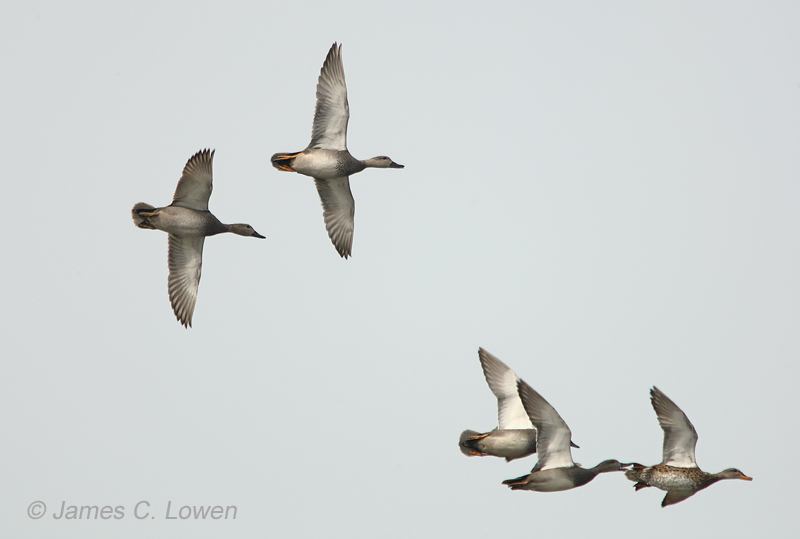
{"points": [[343, 251], [198, 160]]}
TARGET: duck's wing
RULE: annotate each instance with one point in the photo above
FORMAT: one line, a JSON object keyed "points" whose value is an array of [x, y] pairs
{"points": [[680, 438], [185, 264], [503, 383], [552, 433], [675, 496], [339, 209], [194, 187], [332, 113]]}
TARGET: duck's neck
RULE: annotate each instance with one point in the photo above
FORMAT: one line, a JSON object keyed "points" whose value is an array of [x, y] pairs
{"points": [[706, 479], [606, 466], [214, 227], [238, 228], [373, 162]]}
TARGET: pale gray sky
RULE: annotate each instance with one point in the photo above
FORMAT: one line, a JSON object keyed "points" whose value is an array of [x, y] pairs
{"points": [[603, 196]]}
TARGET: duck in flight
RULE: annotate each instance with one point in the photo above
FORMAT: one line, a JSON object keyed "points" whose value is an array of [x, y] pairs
{"points": [[678, 473], [326, 158], [555, 469], [514, 436], [188, 222]]}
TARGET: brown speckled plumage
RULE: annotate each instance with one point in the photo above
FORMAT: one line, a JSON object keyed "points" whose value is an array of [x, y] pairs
{"points": [[678, 473]]}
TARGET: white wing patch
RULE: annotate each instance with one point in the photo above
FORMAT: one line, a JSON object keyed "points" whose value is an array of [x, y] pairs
{"points": [[552, 433], [503, 383]]}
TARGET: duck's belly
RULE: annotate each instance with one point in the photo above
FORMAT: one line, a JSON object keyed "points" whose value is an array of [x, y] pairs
{"points": [[181, 221], [323, 164], [552, 480], [508, 443], [669, 478]]}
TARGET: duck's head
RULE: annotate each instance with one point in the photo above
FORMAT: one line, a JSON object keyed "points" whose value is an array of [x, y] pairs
{"points": [[611, 465], [733, 473], [244, 230], [382, 162]]}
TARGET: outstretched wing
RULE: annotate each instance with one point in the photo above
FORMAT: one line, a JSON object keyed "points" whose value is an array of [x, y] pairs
{"points": [[194, 187], [339, 210], [332, 113], [552, 433], [680, 438], [503, 383], [185, 265]]}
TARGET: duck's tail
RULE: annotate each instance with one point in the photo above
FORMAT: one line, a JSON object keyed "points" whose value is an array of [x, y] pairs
{"points": [[635, 475], [518, 483], [283, 161], [464, 442], [467, 443], [140, 213]]}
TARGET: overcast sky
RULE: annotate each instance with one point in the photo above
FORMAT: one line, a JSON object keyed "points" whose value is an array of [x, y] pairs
{"points": [[604, 197]]}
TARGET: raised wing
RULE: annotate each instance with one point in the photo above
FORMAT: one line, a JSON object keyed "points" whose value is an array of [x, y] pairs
{"points": [[680, 438], [339, 210], [194, 187], [332, 113], [552, 433], [185, 265], [503, 383]]}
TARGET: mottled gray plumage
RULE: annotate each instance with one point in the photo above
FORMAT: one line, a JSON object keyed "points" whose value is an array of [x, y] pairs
{"points": [[326, 159], [555, 469], [188, 222], [514, 436]]}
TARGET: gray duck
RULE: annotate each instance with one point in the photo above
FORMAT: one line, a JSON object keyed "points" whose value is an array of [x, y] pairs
{"points": [[555, 470], [188, 222], [327, 160]]}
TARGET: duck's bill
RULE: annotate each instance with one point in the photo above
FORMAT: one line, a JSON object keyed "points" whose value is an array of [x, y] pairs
{"points": [[745, 477], [257, 235], [573, 444], [625, 465], [395, 165]]}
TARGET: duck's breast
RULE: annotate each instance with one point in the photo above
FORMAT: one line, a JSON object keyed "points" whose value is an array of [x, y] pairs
{"points": [[509, 443], [187, 222], [553, 480], [317, 163]]}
